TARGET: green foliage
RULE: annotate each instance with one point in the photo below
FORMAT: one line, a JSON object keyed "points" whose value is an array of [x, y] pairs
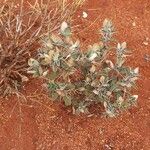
{"points": [[82, 78]]}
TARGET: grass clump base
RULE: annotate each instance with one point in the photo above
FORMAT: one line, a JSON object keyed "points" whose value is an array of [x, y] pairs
{"points": [[21, 26]]}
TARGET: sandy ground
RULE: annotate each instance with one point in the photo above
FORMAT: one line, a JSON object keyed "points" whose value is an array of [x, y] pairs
{"points": [[43, 125]]}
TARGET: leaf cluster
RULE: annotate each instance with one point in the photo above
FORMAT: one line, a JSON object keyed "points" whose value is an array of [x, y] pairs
{"points": [[83, 78]]}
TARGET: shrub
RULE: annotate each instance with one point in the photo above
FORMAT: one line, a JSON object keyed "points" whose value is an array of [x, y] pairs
{"points": [[20, 30], [83, 78]]}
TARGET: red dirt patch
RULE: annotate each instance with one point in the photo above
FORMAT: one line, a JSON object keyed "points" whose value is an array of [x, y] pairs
{"points": [[44, 125]]}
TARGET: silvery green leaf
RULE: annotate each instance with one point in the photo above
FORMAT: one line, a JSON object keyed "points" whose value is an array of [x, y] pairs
{"points": [[62, 86], [135, 97], [124, 45], [70, 62], [82, 108], [81, 89], [111, 63], [110, 113], [120, 62], [33, 63], [107, 24], [65, 29], [88, 79], [118, 46], [136, 70], [45, 73], [129, 85], [109, 110], [56, 56], [47, 43], [102, 79], [54, 95], [52, 86], [47, 58], [40, 70], [122, 83], [94, 83], [68, 56], [96, 92], [60, 92], [64, 26], [120, 100], [107, 30], [92, 56], [75, 45], [53, 75], [132, 100], [95, 47], [133, 79], [67, 100], [56, 39], [70, 86], [121, 47], [108, 93], [105, 104]]}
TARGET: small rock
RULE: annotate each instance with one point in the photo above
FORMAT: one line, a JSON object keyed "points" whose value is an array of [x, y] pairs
{"points": [[145, 43], [134, 24], [84, 14], [107, 147]]}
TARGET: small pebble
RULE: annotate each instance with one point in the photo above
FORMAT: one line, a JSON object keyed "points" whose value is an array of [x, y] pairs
{"points": [[145, 43], [108, 147], [84, 14], [134, 24]]}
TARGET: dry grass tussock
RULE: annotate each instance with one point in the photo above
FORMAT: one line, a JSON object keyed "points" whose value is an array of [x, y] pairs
{"points": [[20, 30]]}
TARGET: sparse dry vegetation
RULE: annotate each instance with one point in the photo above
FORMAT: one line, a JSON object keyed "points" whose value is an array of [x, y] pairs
{"points": [[20, 30]]}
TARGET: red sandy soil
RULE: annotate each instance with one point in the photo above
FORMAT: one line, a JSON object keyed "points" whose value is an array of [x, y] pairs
{"points": [[43, 125]]}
